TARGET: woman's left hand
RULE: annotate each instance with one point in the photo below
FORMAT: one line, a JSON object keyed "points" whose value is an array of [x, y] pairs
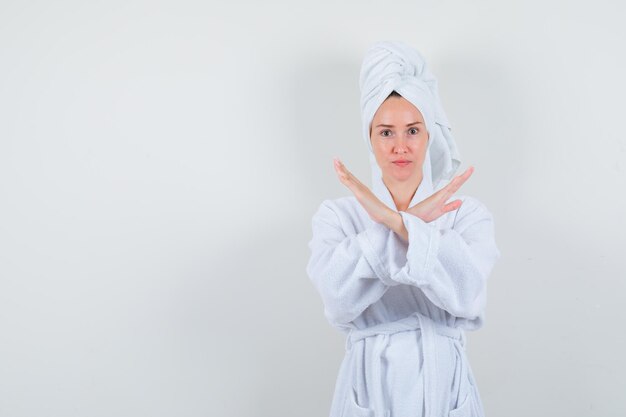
{"points": [[376, 209]]}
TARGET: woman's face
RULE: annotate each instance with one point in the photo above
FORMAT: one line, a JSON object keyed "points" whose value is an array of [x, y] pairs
{"points": [[398, 133]]}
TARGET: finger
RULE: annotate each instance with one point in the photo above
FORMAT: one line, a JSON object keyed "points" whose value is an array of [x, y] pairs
{"points": [[339, 166], [342, 167], [336, 165], [354, 180], [339, 170], [456, 183], [452, 206], [346, 176], [464, 176]]}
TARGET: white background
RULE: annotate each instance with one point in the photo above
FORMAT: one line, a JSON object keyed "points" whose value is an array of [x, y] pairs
{"points": [[160, 163]]}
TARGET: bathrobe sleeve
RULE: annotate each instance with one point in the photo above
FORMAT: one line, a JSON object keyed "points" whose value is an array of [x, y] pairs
{"points": [[346, 270], [450, 266]]}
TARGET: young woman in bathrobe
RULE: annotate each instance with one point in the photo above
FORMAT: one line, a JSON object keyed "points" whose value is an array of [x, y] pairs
{"points": [[401, 270]]}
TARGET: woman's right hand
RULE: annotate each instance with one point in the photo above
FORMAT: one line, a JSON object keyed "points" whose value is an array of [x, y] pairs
{"points": [[435, 206]]}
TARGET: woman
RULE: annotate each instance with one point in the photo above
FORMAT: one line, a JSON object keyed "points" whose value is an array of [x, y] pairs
{"points": [[400, 270]]}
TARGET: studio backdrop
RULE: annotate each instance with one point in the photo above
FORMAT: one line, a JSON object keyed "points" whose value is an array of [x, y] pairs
{"points": [[160, 163]]}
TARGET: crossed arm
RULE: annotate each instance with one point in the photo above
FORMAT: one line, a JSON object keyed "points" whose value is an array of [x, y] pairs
{"points": [[451, 266]]}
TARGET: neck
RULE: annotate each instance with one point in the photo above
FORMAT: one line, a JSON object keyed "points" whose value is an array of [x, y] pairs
{"points": [[402, 192]]}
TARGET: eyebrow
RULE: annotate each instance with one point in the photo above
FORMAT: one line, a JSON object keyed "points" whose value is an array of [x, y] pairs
{"points": [[410, 124]]}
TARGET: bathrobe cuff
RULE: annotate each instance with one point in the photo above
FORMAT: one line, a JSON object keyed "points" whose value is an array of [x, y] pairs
{"points": [[396, 261], [421, 254], [378, 242]]}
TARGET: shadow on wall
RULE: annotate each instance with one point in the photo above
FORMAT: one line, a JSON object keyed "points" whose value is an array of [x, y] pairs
{"points": [[253, 300], [325, 110], [489, 122]]}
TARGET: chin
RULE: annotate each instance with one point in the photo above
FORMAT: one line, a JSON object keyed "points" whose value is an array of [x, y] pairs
{"points": [[401, 176]]}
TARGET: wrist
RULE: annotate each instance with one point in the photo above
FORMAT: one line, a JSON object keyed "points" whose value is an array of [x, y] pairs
{"points": [[393, 220], [396, 223]]}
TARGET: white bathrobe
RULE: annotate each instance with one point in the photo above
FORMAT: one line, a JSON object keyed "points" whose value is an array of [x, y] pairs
{"points": [[404, 307]]}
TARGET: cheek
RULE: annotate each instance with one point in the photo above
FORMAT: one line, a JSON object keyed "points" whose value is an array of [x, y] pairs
{"points": [[416, 148], [382, 148], [421, 142]]}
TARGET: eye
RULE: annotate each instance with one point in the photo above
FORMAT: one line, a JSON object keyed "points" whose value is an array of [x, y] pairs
{"points": [[416, 130], [382, 133]]}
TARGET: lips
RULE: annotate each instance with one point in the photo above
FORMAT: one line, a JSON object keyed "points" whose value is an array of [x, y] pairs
{"points": [[402, 162]]}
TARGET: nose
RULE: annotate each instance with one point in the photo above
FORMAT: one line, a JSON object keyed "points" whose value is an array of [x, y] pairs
{"points": [[400, 146]]}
